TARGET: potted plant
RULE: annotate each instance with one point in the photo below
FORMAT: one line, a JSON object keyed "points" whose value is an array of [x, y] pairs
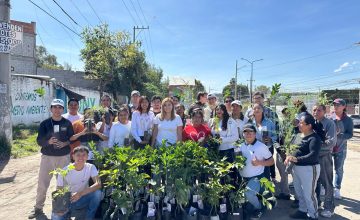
{"points": [[61, 196]]}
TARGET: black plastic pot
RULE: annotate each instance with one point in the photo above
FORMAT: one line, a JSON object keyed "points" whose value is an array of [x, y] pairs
{"points": [[190, 217], [206, 217], [238, 214], [223, 216], [61, 203]]}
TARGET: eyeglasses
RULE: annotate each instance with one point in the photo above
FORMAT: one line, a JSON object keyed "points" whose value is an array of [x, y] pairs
{"points": [[248, 131], [228, 101]]}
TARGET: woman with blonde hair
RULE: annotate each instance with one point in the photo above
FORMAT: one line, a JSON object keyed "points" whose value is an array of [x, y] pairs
{"points": [[167, 125]]}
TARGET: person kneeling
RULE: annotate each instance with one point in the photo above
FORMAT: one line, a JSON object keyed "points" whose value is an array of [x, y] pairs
{"points": [[257, 157], [83, 195]]}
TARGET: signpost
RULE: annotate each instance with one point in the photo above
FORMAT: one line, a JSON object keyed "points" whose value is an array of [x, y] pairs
{"points": [[11, 35]]}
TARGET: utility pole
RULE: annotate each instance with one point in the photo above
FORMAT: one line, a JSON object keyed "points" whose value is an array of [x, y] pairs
{"points": [[236, 76], [252, 73], [138, 28], [5, 116]]}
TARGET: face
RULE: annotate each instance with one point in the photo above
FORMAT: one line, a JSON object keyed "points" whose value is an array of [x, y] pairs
{"points": [[144, 105], [175, 101], [258, 99], [135, 99], [80, 157], [179, 110], [168, 107], [228, 103], [203, 99], [73, 107], [219, 112], [236, 108], [303, 127], [123, 117], [156, 104], [57, 110], [249, 136], [258, 110], [318, 112], [212, 101], [339, 109], [106, 102], [197, 119]]}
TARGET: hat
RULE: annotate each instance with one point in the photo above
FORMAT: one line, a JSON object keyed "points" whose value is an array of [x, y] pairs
{"points": [[210, 96], [249, 127], [135, 92], [236, 102], [339, 101], [57, 102]]}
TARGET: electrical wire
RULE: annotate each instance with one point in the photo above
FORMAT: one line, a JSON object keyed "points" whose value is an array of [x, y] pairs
{"points": [[82, 15], [132, 17], [67, 14], [93, 10]]}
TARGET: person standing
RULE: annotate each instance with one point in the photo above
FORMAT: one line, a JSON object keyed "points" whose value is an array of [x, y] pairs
{"points": [[134, 101], [325, 160], [176, 100], [209, 111], [156, 104], [73, 108], [54, 138], [119, 132], [344, 131], [227, 102], [306, 168], [197, 130], [105, 101], [238, 116], [167, 125], [201, 100]]}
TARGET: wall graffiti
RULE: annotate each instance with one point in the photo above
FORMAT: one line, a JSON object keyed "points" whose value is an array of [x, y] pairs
{"points": [[86, 103]]}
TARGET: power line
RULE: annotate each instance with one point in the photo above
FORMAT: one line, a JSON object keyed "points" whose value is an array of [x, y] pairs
{"points": [[82, 15], [55, 18], [66, 13], [137, 15], [93, 10], [132, 17]]}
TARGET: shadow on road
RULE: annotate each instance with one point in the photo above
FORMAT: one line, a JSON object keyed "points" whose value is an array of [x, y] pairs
{"points": [[351, 205], [7, 179]]}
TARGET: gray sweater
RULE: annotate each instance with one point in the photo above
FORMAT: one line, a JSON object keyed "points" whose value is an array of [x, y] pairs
{"points": [[330, 135], [344, 128]]}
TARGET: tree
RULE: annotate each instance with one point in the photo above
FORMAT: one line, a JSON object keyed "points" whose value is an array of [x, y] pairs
{"points": [[67, 66], [199, 87], [264, 89], [46, 60], [242, 90]]}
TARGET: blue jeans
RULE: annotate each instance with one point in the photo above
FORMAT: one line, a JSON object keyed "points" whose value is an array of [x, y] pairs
{"points": [[90, 201], [339, 159], [253, 187]]}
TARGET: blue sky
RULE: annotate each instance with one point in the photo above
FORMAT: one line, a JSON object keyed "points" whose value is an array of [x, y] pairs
{"points": [[203, 38]]}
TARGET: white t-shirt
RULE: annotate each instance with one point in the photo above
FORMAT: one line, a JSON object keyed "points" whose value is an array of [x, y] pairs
{"points": [[240, 125], [258, 150], [118, 133], [167, 129], [228, 136], [106, 132], [72, 118], [78, 180], [141, 123]]}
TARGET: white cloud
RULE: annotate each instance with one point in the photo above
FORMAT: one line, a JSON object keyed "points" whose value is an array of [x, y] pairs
{"points": [[342, 66]]}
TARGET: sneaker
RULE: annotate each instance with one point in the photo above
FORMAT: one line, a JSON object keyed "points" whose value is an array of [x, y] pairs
{"points": [[326, 213], [295, 204], [337, 193], [283, 196], [322, 191], [299, 215], [256, 214], [35, 213]]}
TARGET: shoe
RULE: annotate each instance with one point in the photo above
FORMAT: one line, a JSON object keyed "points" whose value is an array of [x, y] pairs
{"points": [[326, 213], [337, 193], [256, 214], [299, 215], [295, 204], [35, 213], [283, 196], [322, 191]]}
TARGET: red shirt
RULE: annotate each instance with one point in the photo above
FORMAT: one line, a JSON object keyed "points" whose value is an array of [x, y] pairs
{"points": [[195, 133]]}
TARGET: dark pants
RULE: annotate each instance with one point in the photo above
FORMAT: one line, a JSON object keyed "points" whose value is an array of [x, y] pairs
{"points": [[270, 170], [325, 179]]}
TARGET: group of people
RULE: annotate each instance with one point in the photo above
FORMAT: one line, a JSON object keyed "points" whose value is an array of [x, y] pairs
{"points": [[158, 121]]}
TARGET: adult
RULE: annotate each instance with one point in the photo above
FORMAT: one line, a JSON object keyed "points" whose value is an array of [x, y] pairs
{"points": [[266, 134], [258, 157], [201, 100], [105, 101], [120, 132], [175, 99], [105, 125], [54, 138], [325, 160], [156, 104], [228, 100], [209, 111], [238, 116], [167, 125], [180, 110], [134, 101], [197, 130], [224, 127], [77, 179], [142, 123], [344, 131], [73, 108], [306, 170]]}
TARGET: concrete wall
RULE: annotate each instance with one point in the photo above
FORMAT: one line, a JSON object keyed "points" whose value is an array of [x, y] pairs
{"points": [[27, 106], [92, 98]]}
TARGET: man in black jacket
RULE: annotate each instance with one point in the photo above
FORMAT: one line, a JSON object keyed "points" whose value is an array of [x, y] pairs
{"points": [[54, 138]]}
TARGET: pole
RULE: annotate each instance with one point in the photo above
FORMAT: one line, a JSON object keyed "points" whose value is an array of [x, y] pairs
{"points": [[138, 28], [134, 34], [236, 69], [251, 76], [5, 116]]}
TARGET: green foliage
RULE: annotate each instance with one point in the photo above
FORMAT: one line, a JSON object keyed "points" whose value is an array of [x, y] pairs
{"points": [[62, 173], [229, 90], [46, 60], [40, 91], [323, 99], [24, 141], [263, 88]]}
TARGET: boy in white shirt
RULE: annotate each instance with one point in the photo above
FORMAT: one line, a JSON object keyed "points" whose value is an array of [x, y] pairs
{"points": [[77, 179]]}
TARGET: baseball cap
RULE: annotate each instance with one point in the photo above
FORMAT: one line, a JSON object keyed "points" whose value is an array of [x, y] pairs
{"points": [[249, 127], [210, 96], [236, 102], [135, 92], [57, 102], [339, 101]]}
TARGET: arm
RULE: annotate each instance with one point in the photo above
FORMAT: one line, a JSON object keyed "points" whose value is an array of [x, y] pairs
{"points": [[348, 129], [154, 134], [265, 163], [97, 185], [314, 148], [331, 136], [101, 135], [111, 137], [232, 134], [101, 129], [76, 136], [273, 132], [134, 126], [42, 138], [179, 134]]}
